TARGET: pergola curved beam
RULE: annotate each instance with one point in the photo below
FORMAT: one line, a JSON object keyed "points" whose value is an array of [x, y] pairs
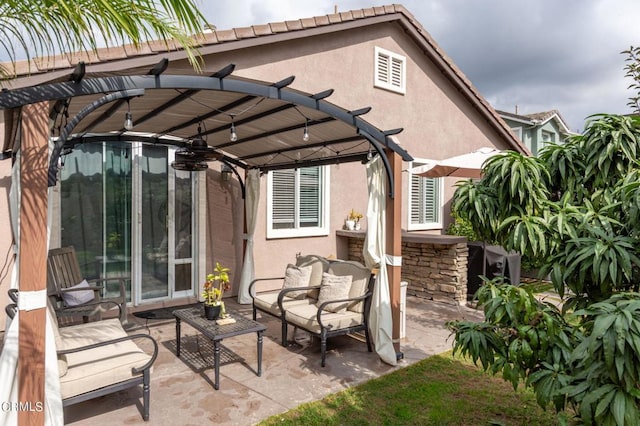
{"points": [[64, 90], [54, 91]]}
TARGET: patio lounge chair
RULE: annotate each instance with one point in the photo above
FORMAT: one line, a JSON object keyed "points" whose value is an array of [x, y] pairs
{"points": [[342, 309], [72, 295], [273, 302], [99, 358]]}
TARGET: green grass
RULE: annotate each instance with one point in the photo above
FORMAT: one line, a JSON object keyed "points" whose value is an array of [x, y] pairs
{"points": [[440, 390], [537, 286]]}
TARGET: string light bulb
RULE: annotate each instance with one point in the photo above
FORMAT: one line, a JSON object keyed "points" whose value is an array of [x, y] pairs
{"points": [[305, 135], [128, 118], [233, 135]]}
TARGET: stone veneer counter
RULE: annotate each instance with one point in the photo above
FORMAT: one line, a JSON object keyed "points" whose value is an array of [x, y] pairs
{"points": [[434, 266]]}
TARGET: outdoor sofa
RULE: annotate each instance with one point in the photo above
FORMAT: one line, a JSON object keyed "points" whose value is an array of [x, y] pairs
{"points": [[325, 297]]}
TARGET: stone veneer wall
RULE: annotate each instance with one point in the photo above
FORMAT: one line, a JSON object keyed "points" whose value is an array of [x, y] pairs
{"points": [[434, 266]]}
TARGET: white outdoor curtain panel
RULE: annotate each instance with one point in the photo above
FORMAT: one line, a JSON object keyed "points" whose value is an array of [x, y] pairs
{"points": [[252, 194], [9, 359], [380, 318]]}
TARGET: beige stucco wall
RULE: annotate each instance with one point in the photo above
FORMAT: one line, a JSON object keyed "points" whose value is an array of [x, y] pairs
{"points": [[438, 122]]}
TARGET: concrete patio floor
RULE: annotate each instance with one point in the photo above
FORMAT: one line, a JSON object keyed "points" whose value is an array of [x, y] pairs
{"points": [[182, 390]]}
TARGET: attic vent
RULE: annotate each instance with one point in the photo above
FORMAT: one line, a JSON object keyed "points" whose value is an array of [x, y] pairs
{"points": [[390, 70]]}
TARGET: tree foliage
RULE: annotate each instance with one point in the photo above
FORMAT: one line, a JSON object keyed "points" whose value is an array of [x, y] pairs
{"points": [[46, 27], [575, 210], [588, 360]]}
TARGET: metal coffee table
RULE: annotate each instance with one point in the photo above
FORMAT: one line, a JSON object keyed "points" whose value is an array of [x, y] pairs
{"points": [[195, 318]]}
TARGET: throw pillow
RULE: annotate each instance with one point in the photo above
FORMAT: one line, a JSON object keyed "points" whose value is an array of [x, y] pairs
{"points": [[78, 297], [334, 287], [297, 276]]}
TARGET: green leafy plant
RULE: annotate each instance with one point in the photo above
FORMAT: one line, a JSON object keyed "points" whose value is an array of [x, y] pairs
{"points": [[522, 339], [575, 211], [462, 227], [215, 285], [44, 28], [607, 390], [589, 360]]}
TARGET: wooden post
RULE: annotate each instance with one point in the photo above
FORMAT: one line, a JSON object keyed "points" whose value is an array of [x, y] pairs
{"points": [[394, 245], [33, 262]]}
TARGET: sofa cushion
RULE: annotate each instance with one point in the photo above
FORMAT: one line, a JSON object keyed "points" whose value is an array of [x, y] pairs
{"points": [[268, 302], [319, 265], [334, 287], [304, 316], [297, 276], [78, 297], [359, 280]]}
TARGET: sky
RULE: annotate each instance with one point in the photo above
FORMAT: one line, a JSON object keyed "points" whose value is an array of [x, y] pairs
{"points": [[536, 55]]}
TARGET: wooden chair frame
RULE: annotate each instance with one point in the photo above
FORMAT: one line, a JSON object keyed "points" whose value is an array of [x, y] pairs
{"points": [[63, 272]]}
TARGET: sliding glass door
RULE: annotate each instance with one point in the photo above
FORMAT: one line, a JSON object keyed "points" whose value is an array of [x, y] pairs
{"points": [[95, 211], [128, 213]]}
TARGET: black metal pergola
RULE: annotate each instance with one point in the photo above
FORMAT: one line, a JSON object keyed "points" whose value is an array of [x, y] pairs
{"points": [[249, 124]]}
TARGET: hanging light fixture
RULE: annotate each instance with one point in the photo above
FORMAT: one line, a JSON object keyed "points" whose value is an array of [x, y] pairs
{"points": [[233, 135], [128, 118], [226, 172], [305, 135]]}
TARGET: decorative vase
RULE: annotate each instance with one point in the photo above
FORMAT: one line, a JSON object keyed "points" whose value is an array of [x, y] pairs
{"points": [[357, 226], [351, 224], [212, 312]]}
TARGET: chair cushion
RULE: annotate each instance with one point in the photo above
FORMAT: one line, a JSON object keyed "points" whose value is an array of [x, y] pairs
{"points": [[359, 280], [62, 359], [95, 368], [268, 302], [77, 297], [304, 316], [334, 287], [63, 365], [297, 276]]}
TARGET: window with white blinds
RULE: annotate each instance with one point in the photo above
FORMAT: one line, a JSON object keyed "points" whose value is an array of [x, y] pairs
{"points": [[297, 202], [425, 201], [390, 70]]}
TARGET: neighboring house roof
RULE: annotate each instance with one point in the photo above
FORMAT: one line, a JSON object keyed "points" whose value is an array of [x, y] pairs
{"points": [[56, 68], [539, 119]]}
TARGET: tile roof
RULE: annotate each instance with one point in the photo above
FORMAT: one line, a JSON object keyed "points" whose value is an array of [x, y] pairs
{"points": [[539, 117], [256, 32]]}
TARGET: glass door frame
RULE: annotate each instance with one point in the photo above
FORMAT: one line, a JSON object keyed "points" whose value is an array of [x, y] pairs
{"points": [[137, 249]]}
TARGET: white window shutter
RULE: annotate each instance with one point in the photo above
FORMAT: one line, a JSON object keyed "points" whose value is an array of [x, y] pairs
{"points": [[390, 71], [310, 196], [425, 200], [284, 200], [297, 198], [383, 68], [396, 78]]}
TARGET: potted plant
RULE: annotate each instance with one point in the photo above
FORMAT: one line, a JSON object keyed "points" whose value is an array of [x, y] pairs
{"points": [[214, 287], [353, 220]]}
